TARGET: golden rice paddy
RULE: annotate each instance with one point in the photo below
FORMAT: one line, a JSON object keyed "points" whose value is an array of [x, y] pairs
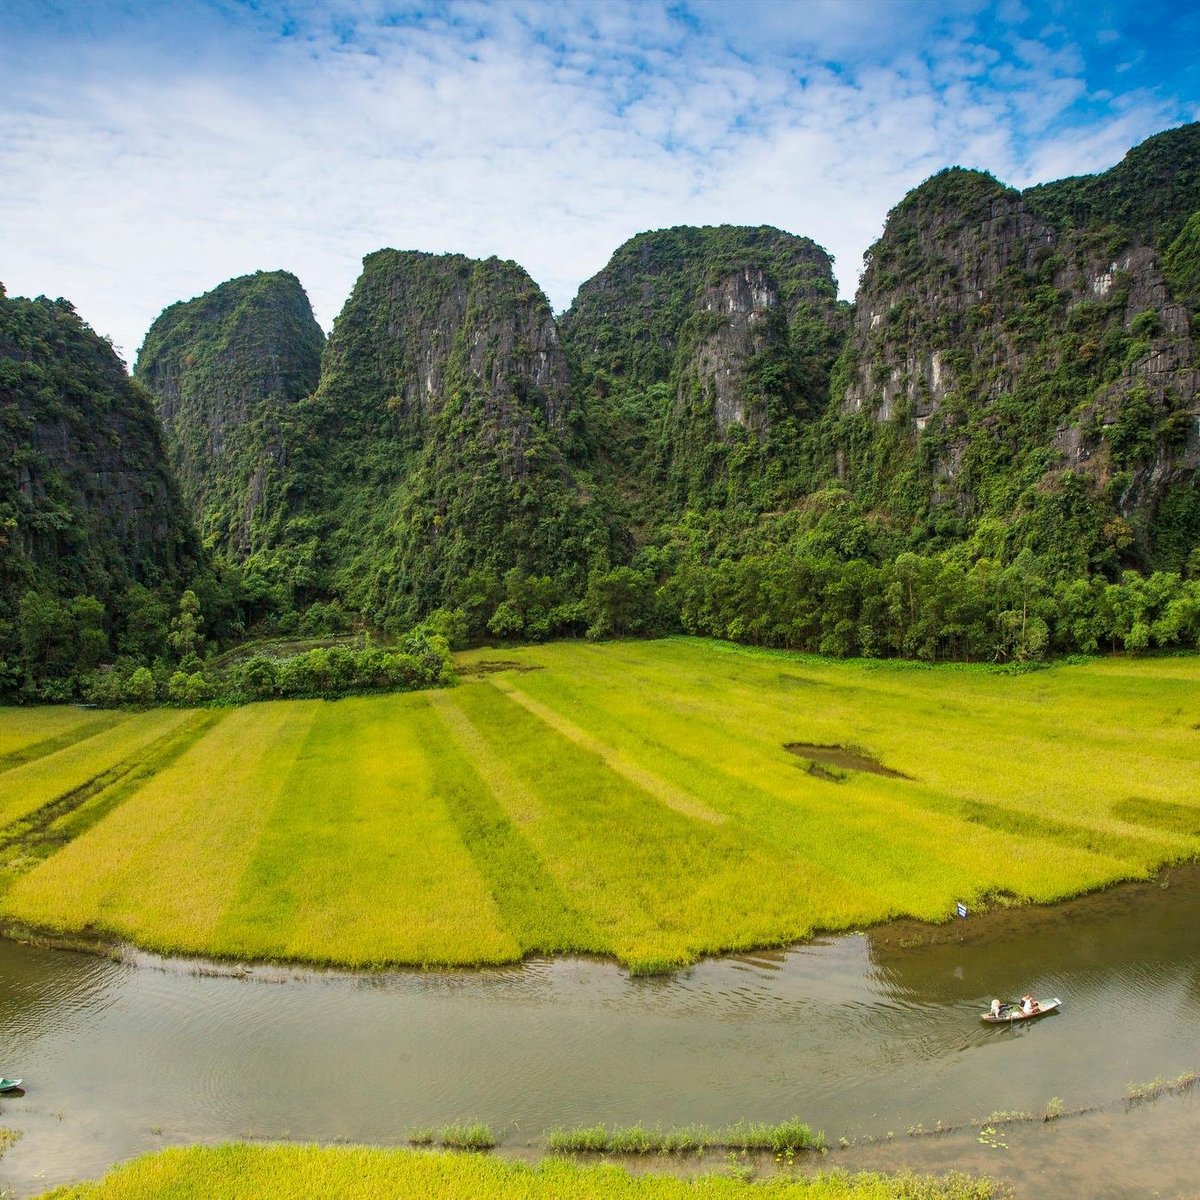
{"points": [[244, 1172], [633, 799]]}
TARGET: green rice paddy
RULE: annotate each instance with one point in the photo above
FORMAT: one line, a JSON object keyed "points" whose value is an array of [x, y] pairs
{"points": [[631, 799]]}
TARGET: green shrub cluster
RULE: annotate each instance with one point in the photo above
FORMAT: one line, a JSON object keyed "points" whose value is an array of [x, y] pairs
{"points": [[421, 660], [931, 607]]}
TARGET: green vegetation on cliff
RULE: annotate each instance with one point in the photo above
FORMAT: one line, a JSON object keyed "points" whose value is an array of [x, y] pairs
{"points": [[433, 447], [94, 539], [1148, 195], [224, 370]]}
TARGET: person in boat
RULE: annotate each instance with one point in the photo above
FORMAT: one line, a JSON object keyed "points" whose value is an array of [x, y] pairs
{"points": [[996, 1007], [1028, 1005]]}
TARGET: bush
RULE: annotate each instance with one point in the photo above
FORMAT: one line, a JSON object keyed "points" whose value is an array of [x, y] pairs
{"points": [[139, 687], [197, 689], [257, 677], [448, 623]]}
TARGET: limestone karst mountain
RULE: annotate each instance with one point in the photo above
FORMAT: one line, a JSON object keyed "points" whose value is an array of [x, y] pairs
{"points": [[707, 439], [92, 526], [700, 354], [435, 442], [1021, 369], [225, 369]]}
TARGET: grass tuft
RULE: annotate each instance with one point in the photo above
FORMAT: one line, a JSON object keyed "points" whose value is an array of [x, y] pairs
{"points": [[466, 1135], [1136, 1093], [787, 1137], [7, 1138]]}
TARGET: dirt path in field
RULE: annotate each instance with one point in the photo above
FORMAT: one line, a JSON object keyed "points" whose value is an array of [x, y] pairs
{"points": [[660, 789]]}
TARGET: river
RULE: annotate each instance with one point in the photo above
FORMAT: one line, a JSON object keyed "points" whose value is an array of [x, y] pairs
{"points": [[862, 1035]]}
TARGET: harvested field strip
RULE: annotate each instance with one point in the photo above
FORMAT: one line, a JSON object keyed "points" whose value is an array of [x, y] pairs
{"points": [[672, 797], [162, 867], [490, 806], [24, 727], [622, 855], [1082, 837], [28, 787], [361, 803], [1182, 819], [26, 842], [59, 740]]}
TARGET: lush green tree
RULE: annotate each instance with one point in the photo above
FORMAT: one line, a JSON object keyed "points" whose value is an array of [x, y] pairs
{"points": [[186, 638]]}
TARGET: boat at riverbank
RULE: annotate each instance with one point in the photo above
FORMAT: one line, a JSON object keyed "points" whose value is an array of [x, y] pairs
{"points": [[1014, 1012]]}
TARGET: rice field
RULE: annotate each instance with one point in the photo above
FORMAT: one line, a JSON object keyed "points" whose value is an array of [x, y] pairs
{"points": [[633, 799], [245, 1172]]}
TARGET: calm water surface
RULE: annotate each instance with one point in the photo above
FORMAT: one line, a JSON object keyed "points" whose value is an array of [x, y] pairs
{"points": [[859, 1035]]}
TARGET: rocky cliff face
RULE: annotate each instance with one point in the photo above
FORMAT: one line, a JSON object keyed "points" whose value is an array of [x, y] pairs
{"points": [[225, 369], [743, 321], [87, 500], [422, 332], [694, 341], [434, 442], [1041, 379]]}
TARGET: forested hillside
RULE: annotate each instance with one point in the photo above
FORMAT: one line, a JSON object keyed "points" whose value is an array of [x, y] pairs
{"points": [[95, 544], [432, 455], [993, 453], [224, 370]]}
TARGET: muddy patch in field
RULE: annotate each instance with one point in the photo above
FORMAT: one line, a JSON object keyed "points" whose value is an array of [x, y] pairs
{"points": [[831, 762]]}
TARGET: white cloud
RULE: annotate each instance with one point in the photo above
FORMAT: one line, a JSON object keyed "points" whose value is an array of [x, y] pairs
{"points": [[146, 158]]}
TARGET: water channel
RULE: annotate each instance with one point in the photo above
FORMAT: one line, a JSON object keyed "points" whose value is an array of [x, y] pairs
{"points": [[860, 1035]]}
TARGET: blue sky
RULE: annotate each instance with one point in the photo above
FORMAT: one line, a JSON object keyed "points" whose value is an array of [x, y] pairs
{"points": [[149, 151]]}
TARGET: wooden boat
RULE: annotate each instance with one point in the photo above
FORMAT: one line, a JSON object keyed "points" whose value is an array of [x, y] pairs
{"points": [[8, 1085], [1012, 1012]]}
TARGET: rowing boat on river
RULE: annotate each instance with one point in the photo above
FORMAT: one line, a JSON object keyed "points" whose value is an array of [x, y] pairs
{"points": [[8, 1085], [1014, 1012]]}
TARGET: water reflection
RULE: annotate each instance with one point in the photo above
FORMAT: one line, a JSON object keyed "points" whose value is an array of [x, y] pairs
{"points": [[858, 1034]]}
